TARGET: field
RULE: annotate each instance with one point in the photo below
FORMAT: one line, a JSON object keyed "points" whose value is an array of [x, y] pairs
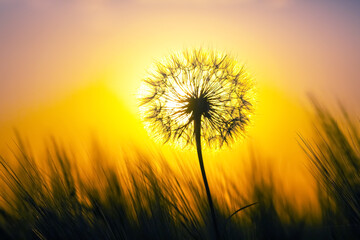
{"points": [[55, 200]]}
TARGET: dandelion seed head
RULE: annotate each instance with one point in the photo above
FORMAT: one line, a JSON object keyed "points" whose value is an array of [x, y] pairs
{"points": [[197, 84]]}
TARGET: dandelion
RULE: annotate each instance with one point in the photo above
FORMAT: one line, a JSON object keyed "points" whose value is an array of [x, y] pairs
{"points": [[195, 96]]}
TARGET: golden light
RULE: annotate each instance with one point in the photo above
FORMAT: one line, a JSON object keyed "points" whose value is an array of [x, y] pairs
{"points": [[195, 82]]}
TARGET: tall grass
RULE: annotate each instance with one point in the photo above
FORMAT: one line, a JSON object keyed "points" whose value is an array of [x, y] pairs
{"points": [[57, 204], [53, 197], [335, 158]]}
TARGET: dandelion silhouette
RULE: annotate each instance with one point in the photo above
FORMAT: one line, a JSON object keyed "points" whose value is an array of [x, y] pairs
{"points": [[197, 95]]}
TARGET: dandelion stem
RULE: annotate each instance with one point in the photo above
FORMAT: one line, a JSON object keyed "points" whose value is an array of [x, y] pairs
{"points": [[197, 129]]}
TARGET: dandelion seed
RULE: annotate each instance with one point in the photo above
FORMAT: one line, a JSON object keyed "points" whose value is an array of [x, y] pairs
{"points": [[197, 85], [198, 95]]}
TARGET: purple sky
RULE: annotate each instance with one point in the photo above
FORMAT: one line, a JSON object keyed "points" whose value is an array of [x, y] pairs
{"points": [[49, 48]]}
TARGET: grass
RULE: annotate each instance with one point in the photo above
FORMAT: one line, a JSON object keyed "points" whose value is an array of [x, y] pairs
{"points": [[55, 200], [335, 158]]}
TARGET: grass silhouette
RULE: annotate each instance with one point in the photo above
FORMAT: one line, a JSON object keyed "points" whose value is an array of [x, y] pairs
{"points": [[48, 197], [335, 157]]}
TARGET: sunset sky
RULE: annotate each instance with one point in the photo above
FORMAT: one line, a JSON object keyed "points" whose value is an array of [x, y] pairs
{"points": [[73, 68], [52, 48]]}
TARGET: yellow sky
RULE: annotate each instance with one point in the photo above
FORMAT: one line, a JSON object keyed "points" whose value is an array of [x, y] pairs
{"points": [[97, 113], [73, 69]]}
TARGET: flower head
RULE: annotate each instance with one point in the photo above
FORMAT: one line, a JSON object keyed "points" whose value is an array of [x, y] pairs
{"points": [[198, 85]]}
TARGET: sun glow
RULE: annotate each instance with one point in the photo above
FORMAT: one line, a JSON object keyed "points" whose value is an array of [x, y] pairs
{"points": [[197, 85]]}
